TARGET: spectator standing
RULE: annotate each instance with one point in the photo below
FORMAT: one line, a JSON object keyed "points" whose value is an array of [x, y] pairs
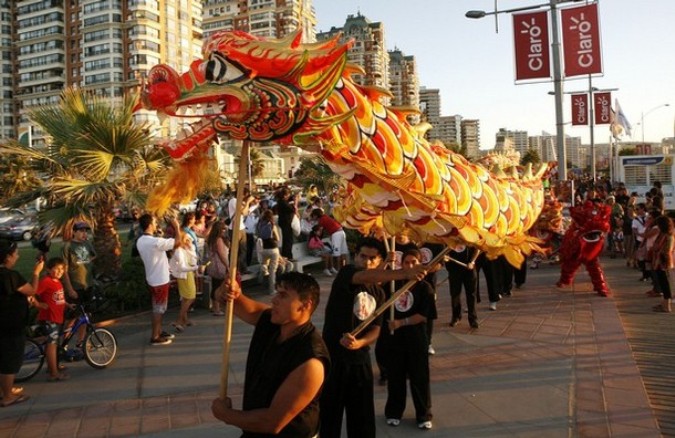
{"points": [[153, 253], [183, 265], [407, 357], [14, 293], [247, 206], [286, 209], [269, 253], [639, 227], [287, 362], [52, 304], [338, 238], [662, 262], [218, 251], [353, 298], [78, 254], [251, 223]]}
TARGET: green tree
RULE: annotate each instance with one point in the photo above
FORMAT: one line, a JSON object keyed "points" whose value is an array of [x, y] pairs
{"points": [[628, 151], [313, 170], [255, 163], [531, 156], [16, 176], [97, 158]]}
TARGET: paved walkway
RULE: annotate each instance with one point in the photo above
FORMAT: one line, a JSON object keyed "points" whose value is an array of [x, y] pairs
{"points": [[547, 363]]}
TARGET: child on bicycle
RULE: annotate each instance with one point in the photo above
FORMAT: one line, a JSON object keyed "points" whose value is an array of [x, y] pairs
{"points": [[52, 304]]}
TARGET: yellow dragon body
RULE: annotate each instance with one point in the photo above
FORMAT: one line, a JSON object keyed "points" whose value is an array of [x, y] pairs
{"points": [[302, 94]]}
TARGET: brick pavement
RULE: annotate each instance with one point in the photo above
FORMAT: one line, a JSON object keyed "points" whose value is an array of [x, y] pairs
{"points": [[549, 362]]}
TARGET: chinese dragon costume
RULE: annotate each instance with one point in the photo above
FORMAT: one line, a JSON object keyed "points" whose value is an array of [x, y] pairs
{"points": [[582, 244], [293, 93]]}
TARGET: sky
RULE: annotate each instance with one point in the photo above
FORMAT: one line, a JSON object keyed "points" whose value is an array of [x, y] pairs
{"points": [[475, 71]]}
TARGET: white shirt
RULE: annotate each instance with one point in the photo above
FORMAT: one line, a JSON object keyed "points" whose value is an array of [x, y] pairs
{"points": [[153, 253], [231, 209], [183, 261]]}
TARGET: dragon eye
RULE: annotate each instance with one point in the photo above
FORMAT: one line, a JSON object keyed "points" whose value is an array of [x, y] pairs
{"points": [[221, 71]]}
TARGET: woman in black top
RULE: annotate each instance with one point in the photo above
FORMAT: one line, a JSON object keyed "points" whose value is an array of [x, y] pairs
{"points": [[14, 293], [286, 209]]}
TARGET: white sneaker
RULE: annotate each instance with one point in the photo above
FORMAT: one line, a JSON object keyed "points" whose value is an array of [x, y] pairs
{"points": [[333, 270], [431, 350], [328, 272], [493, 306], [393, 421], [425, 425]]}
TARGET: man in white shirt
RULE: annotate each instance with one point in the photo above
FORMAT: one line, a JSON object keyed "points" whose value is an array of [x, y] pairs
{"points": [[153, 253], [246, 208], [639, 229]]}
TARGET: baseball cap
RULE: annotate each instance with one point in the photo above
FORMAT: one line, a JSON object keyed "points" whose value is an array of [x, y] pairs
{"points": [[81, 226]]}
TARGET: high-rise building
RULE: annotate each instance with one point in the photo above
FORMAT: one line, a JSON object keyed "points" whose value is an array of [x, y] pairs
{"points": [[471, 136], [263, 18], [404, 80], [449, 130], [514, 140], [369, 50], [430, 107], [104, 46], [7, 106]]}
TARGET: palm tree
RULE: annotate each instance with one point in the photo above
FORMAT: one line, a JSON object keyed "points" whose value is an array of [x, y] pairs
{"points": [[97, 158], [255, 163], [313, 170]]}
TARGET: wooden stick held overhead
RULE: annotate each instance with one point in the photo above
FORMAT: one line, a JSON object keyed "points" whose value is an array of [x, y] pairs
{"points": [[377, 312], [234, 250]]}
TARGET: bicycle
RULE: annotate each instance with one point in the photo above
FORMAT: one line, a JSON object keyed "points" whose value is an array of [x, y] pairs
{"points": [[99, 347]]}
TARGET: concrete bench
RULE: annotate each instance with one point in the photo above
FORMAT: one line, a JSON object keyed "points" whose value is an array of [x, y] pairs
{"points": [[303, 257]]}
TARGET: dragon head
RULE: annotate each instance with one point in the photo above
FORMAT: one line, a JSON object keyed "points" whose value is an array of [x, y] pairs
{"points": [[591, 223], [245, 87]]}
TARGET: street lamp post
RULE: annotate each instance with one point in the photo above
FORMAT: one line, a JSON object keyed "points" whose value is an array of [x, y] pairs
{"points": [[642, 118], [557, 73]]}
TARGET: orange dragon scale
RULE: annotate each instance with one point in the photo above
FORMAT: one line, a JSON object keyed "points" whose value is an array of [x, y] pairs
{"points": [[299, 94]]}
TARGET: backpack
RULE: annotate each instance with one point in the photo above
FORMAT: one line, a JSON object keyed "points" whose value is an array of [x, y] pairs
{"points": [[265, 231]]}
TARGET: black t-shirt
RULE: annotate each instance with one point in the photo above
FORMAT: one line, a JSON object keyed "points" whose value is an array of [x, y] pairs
{"points": [[410, 337], [13, 304], [269, 363], [348, 305]]}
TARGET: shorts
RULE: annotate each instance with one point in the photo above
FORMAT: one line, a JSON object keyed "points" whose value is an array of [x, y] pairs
{"points": [[51, 330], [160, 298], [338, 241], [187, 288], [11, 353]]}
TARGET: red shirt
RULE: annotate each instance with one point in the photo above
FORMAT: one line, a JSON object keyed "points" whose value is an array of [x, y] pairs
{"points": [[50, 291], [329, 224]]}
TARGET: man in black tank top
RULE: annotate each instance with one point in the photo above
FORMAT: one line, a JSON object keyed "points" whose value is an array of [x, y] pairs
{"points": [[287, 362]]}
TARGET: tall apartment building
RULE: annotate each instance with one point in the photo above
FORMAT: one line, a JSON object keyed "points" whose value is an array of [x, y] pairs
{"points": [[263, 18], [471, 136], [430, 107], [369, 50], [449, 130], [514, 140], [545, 144], [404, 80], [104, 46], [7, 111]]}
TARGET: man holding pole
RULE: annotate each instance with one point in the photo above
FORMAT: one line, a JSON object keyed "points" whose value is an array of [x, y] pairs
{"points": [[287, 361], [354, 297]]}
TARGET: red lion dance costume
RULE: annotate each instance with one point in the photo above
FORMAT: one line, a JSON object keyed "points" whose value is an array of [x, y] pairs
{"points": [[583, 243]]}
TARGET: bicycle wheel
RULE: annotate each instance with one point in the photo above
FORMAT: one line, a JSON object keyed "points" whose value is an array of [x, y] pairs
{"points": [[33, 359], [100, 348]]}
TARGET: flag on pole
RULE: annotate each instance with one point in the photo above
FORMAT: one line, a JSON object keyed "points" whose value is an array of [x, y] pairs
{"points": [[619, 124]]}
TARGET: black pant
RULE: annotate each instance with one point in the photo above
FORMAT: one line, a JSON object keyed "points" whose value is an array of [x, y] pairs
{"points": [[349, 387], [466, 278], [492, 272], [250, 248], [520, 275], [408, 363]]}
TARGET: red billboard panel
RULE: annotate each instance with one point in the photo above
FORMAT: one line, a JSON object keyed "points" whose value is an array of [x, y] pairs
{"points": [[602, 108], [530, 36], [580, 109], [581, 40]]}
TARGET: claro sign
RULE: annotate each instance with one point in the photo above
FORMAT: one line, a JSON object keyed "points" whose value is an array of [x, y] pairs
{"points": [[581, 40], [531, 45]]}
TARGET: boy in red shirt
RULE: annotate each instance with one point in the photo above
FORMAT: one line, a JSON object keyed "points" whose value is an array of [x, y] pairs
{"points": [[52, 303]]}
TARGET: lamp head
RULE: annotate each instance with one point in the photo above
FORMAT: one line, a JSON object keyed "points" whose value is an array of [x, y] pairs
{"points": [[475, 14]]}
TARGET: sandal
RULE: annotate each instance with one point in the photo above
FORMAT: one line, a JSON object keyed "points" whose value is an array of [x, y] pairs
{"points": [[20, 399], [179, 328], [58, 378], [660, 308], [17, 390]]}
